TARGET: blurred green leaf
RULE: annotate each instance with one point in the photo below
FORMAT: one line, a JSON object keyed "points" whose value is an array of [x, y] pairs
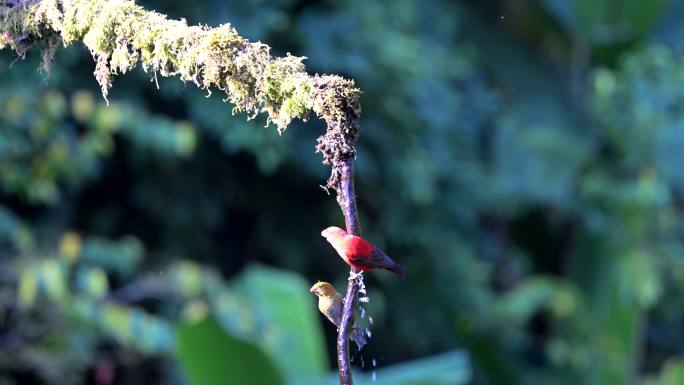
{"points": [[187, 278], [93, 282], [52, 279], [282, 301], [210, 356], [672, 373], [28, 287], [640, 278], [537, 294]]}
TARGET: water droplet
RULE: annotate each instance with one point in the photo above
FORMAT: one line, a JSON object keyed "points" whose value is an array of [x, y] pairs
{"points": [[363, 312], [363, 363], [375, 363], [375, 376], [362, 286], [368, 332], [363, 299], [370, 319]]}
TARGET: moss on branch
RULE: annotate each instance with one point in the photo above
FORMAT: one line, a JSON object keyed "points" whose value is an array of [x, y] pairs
{"points": [[120, 34]]}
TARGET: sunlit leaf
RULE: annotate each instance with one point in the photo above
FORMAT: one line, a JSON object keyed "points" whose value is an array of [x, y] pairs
{"points": [[283, 303], [210, 356]]}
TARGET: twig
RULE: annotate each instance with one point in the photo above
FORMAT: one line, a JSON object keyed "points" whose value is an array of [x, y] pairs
{"points": [[347, 201], [147, 288]]}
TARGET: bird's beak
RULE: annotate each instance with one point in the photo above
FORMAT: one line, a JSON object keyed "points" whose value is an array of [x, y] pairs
{"points": [[313, 290]]}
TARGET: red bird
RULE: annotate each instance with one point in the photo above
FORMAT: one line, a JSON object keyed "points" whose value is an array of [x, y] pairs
{"points": [[359, 253]]}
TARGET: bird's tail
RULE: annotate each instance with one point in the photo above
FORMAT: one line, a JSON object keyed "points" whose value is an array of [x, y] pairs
{"points": [[399, 270], [359, 337]]}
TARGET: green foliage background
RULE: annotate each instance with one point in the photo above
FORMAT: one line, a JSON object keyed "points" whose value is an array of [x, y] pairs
{"points": [[523, 158]]}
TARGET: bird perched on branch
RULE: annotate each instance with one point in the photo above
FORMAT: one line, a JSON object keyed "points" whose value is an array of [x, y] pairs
{"points": [[359, 253], [331, 304]]}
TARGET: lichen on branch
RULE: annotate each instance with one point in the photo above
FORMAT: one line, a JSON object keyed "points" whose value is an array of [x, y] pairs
{"points": [[120, 34]]}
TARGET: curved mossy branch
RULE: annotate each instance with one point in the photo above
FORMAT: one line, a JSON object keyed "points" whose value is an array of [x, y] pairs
{"points": [[121, 34]]}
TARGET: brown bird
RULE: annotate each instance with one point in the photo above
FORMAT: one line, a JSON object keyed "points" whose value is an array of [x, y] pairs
{"points": [[331, 304]]}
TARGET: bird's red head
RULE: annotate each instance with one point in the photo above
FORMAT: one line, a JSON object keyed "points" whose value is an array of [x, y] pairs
{"points": [[333, 233]]}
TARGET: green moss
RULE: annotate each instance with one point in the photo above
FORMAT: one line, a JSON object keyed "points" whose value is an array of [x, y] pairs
{"points": [[120, 34], [76, 21], [299, 102]]}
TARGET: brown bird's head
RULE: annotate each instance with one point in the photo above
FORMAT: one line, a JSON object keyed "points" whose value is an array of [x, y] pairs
{"points": [[333, 232], [323, 289]]}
